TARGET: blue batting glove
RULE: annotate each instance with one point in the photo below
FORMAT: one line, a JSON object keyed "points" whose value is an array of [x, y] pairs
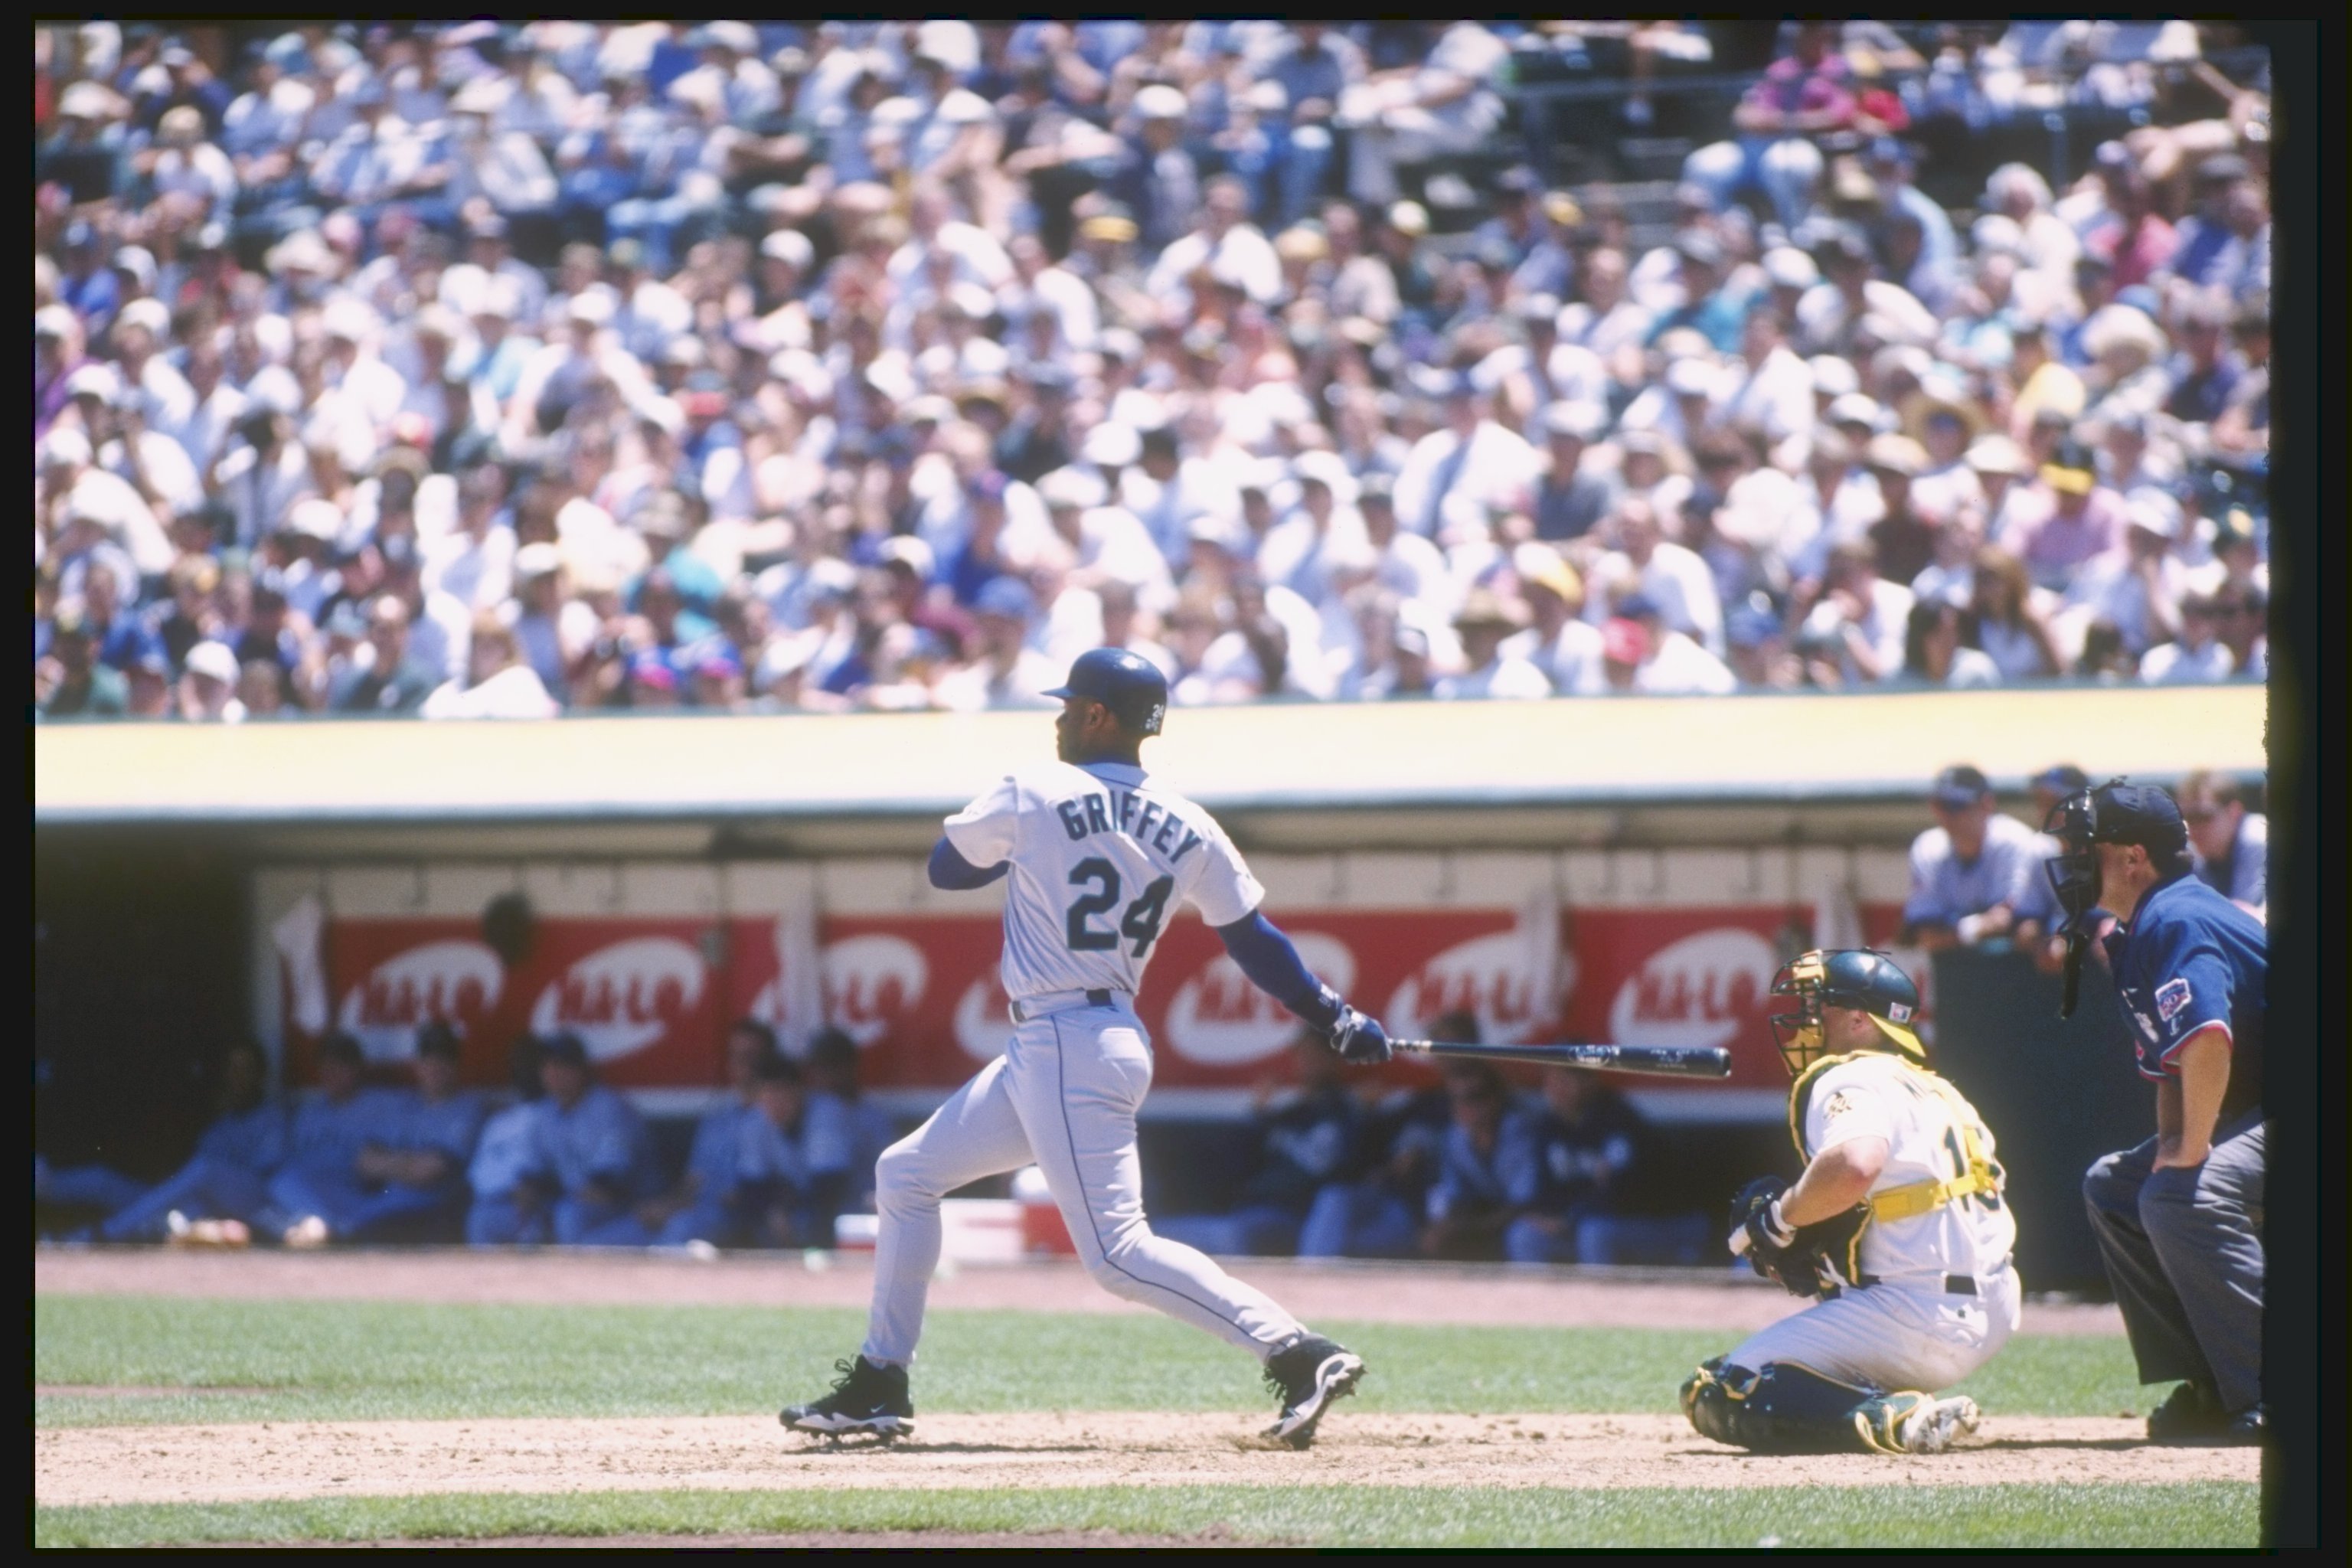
{"points": [[1357, 1038]]}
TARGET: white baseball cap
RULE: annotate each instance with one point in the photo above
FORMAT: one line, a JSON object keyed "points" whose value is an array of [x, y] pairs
{"points": [[1160, 102], [64, 445], [150, 313], [1834, 376], [96, 380], [1789, 268], [214, 660], [1111, 444], [789, 245]]}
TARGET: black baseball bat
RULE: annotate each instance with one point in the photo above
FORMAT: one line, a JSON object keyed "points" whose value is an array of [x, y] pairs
{"points": [[1666, 1061]]}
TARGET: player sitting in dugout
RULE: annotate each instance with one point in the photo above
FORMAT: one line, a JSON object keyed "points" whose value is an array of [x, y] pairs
{"points": [[1592, 1154], [795, 1164], [1896, 1224], [698, 1206], [327, 1131], [228, 1172], [1378, 1212], [407, 1177], [587, 1165], [1308, 1134]]}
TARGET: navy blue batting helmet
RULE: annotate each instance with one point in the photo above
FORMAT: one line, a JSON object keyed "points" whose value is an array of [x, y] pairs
{"points": [[1128, 684]]}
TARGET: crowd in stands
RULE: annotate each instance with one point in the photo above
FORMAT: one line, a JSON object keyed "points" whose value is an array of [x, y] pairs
{"points": [[490, 369]]}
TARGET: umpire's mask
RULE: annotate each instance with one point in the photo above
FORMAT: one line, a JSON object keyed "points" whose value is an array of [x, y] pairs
{"points": [[2074, 875]]}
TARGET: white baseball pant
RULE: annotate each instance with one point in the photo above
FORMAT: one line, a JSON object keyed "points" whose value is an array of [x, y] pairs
{"points": [[1065, 1096], [1893, 1336]]}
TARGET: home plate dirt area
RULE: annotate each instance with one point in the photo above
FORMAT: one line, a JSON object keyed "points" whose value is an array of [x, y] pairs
{"points": [[285, 1461], [234, 1462]]}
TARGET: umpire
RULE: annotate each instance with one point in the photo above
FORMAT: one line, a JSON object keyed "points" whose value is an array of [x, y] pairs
{"points": [[2180, 1217]]}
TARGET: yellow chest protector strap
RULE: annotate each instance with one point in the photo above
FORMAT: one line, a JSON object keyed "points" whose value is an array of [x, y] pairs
{"points": [[1925, 1197], [1917, 1198]]}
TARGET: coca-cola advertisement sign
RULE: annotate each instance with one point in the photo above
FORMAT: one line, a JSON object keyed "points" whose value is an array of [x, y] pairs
{"points": [[436, 979], [651, 998]]}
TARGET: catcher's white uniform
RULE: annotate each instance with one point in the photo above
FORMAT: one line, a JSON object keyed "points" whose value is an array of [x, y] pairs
{"points": [[1100, 860], [1928, 1291]]}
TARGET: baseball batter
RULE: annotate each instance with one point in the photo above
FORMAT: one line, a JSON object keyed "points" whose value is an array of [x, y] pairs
{"points": [[1098, 859], [1897, 1222]]}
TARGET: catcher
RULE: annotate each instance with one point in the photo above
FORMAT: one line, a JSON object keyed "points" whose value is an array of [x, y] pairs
{"points": [[1896, 1226]]}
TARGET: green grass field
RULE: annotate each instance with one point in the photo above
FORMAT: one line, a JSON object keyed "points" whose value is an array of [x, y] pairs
{"points": [[255, 1361]]}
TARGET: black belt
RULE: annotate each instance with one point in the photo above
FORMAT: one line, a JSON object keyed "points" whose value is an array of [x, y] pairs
{"points": [[1954, 1284], [1098, 998]]}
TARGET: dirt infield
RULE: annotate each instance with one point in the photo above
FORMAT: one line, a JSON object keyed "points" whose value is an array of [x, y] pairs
{"points": [[1327, 1291], [292, 1459]]}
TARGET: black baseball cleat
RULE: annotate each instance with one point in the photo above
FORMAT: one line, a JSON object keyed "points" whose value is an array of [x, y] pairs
{"points": [[869, 1398], [2248, 1429], [1309, 1375], [2189, 1414]]}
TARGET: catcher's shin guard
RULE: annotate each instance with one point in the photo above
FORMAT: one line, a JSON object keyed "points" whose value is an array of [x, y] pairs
{"points": [[1784, 1409]]}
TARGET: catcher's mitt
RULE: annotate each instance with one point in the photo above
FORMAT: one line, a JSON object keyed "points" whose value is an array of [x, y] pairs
{"points": [[1796, 1259]]}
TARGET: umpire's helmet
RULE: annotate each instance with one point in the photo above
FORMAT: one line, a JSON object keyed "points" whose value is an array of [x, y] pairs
{"points": [[1128, 684], [1848, 977]]}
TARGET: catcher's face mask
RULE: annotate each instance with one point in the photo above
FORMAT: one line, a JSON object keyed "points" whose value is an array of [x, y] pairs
{"points": [[1799, 1033]]}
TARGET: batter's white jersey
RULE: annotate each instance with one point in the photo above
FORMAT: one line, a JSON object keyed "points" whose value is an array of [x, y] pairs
{"points": [[1933, 1136], [1101, 859]]}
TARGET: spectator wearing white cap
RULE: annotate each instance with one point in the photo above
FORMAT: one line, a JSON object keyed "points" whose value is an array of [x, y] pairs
{"points": [[2138, 586], [498, 684], [112, 415], [1771, 389], [1662, 573], [1110, 544], [208, 683], [142, 330], [78, 504], [1471, 458], [1679, 405], [1298, 551], [1221, 241]]}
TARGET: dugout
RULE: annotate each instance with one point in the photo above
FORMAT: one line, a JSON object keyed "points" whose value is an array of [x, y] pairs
{"points": [[1612, 867]]}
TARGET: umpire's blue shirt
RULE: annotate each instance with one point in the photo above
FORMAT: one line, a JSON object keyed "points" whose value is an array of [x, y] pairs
{"points": [[2191, 958]]}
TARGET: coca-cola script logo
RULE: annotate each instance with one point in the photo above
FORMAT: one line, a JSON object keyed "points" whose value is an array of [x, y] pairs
{"points": [[1696, 992], [624, 997], [1219, 1019], [455, 982], [983, 1019], [872, 981], [1491, 976]]}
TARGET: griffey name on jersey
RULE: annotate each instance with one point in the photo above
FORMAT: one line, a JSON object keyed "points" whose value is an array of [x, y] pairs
{"points": [[1144, 821]]}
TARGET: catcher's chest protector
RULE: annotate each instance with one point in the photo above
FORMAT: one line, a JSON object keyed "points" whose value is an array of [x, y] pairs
{"points": [[1940, 1158]]}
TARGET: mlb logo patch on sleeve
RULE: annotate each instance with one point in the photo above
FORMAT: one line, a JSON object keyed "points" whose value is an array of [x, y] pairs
{"points": [[2170, 998]]}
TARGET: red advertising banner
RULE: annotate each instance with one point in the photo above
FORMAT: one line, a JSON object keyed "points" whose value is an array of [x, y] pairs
{"points": [[651, 996]]}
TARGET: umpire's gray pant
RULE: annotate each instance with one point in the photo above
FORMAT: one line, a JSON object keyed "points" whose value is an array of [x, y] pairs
{"points": [[2184, 1251]]}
